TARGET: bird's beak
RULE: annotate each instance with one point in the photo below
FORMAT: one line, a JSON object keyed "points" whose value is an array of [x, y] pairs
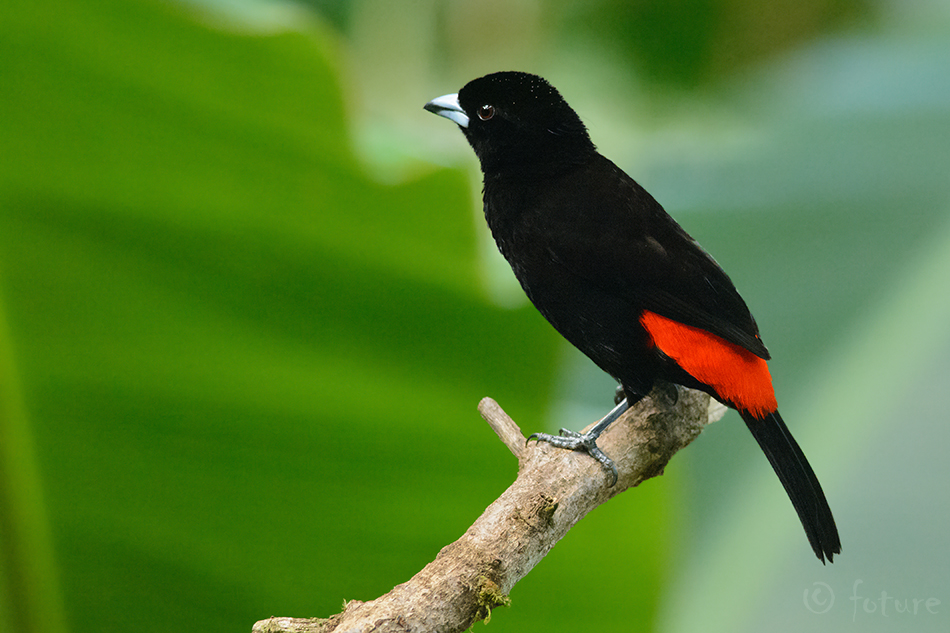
{"points": [[448, 106]]}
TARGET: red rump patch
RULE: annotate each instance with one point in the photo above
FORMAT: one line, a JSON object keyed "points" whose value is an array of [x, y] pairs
{"points": [[738, 376]]}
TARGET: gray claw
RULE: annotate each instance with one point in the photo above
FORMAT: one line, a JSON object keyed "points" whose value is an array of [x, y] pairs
{"points": [[574, 441]]}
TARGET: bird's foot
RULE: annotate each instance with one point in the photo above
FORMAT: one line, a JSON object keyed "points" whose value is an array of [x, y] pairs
{"points": [[587, 442]]}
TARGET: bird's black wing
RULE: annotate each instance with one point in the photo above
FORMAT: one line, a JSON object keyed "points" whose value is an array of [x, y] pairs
{"points": [[602, 226]]}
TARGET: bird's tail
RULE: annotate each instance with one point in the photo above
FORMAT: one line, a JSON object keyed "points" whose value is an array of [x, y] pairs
{"points": [[799, 480]]}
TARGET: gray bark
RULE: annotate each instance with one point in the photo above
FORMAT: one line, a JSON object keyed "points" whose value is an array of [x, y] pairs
{"points": [[554, 490]]}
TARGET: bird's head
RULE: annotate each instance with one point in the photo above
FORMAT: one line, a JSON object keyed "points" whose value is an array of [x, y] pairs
{"points": [[515, 119]]}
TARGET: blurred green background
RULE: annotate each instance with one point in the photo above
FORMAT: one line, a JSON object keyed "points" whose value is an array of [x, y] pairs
{"points": [[248, 307]]}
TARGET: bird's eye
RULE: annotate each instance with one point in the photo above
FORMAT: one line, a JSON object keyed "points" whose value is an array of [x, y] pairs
{"points": [[486, 112]]}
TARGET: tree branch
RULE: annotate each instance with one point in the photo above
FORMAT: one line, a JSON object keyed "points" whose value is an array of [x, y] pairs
{"points": [[554, 490]]}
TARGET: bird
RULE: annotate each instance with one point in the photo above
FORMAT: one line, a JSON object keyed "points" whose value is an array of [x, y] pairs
{"points": [[618, 277]]}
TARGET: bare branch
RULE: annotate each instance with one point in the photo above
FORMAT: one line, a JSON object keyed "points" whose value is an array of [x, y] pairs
{"points": [[504, 427], [553, 491]]}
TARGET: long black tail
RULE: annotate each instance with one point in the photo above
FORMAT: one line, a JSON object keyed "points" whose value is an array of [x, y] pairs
{"points": [[799, 480]]}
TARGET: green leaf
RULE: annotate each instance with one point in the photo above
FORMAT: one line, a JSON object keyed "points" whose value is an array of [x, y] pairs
{"points": [[251, 371]]}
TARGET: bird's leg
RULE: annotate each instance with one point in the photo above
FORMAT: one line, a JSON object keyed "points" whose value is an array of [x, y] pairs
{"points": [[619, 394], [587, 441]]}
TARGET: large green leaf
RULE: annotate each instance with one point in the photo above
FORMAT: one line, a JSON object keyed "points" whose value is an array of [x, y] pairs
{"points": [[251, 371]]}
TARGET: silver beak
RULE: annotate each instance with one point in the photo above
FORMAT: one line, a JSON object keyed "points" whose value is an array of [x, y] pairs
{"points": [[448, 106]]}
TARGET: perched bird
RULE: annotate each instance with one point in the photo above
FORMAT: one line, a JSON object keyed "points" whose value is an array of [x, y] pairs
{"points": [[618, 277]]}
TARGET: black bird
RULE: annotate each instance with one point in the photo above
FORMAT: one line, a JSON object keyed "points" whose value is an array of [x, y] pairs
{"points": [[618, 277]]}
